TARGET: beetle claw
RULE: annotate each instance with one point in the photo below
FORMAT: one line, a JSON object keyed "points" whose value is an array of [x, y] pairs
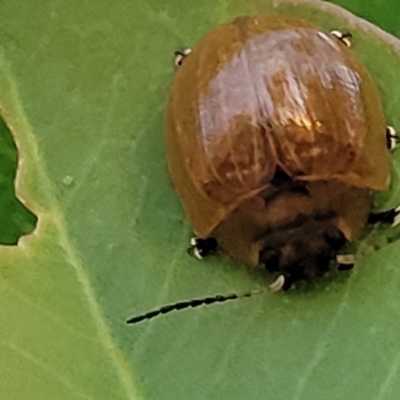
{"points": [[391, 217], [278, 284], [179, 56], [392, 138], [201, 248], [344, 37], [345, 261], [396, 219]]}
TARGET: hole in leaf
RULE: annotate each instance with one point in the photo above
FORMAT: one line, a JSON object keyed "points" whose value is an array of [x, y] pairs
{"points": [[15, 219]]}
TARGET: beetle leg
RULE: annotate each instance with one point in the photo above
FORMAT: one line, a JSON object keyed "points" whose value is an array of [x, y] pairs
{"points": [[179, 56], [387, 217], [278, 284], [392, 138], [201, 248], [344, 37], [345, 261]]}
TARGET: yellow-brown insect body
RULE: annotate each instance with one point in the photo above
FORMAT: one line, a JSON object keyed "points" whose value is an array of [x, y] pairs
{"points": [[274, 126]]}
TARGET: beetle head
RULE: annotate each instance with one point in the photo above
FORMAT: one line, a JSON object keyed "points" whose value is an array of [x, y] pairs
{"points": [[301, 251]]}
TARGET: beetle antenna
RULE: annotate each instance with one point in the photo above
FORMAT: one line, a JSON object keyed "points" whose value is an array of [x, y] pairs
{"points": [[206, 301]]}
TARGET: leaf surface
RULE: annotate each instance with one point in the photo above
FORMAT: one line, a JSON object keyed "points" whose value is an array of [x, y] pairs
{"points": [[82, 92]]}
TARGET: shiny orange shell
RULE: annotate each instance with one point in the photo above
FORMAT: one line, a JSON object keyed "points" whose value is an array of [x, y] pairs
{"points": [[267, 92]]}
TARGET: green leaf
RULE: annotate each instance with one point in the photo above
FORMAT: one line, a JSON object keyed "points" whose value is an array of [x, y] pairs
{"points": [[82, 90]]}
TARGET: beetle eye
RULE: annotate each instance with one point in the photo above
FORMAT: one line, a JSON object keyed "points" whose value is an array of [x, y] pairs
{"points": [[270, 259], [335, 238]]}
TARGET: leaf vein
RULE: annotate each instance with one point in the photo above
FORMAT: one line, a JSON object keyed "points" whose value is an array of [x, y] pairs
{"points": [[121, 366]]}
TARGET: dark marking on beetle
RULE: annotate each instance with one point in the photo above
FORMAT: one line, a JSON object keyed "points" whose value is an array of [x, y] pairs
{"points": [[335, 238], [269, 257], [298, 222], [302, 251], [284, 183]]}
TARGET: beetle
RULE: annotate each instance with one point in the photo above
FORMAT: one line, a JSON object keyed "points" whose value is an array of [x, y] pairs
{"points": [[276, 140]]}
